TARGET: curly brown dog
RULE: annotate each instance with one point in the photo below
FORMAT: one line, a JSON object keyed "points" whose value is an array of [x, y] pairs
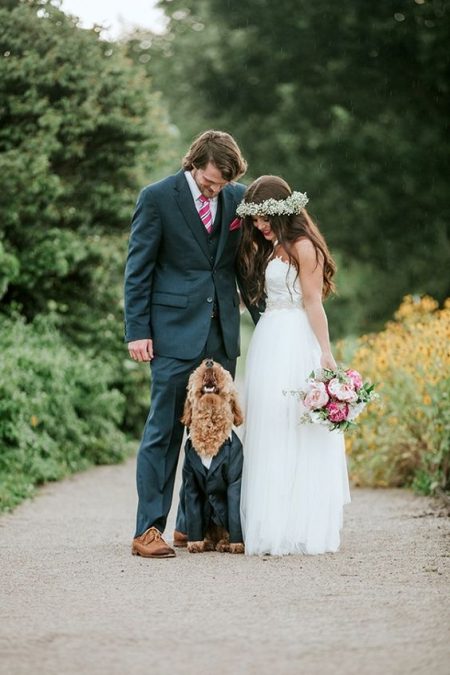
{"points": [[213, 461]]}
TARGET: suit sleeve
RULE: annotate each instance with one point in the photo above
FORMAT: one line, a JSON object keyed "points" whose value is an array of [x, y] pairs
{"points": [[192, 502], [234, 491], [142, 254], [255, 310]]}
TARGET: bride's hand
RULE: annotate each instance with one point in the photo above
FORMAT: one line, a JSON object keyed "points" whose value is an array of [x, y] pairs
{"points": [[327, 361]]}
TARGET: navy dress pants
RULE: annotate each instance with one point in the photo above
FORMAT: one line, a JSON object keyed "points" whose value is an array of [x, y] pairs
{"points": [[163, 432]]}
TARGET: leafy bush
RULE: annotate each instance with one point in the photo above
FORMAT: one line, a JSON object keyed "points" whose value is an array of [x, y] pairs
{"points": [[59, 412], [405, 439]]}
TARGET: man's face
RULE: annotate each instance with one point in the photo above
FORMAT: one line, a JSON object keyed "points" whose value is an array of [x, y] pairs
{"points": [[209, 180]]}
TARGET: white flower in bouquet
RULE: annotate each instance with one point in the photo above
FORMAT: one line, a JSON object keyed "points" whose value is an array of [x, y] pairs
{"points": [[343, 391], [355, 410]]}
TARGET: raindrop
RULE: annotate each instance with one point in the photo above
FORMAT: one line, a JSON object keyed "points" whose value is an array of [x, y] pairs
{"points": [[398, 16], [144, 58], [6, 54]]}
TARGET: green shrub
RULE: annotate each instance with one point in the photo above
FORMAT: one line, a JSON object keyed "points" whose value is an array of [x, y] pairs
{"points": [[59, 412]]}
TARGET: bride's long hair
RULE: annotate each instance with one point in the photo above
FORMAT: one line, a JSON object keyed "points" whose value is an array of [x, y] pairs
{"points": [[255, 251]]}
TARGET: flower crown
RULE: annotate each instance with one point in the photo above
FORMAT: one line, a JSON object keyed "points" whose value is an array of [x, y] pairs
{"points": [[274, 207]]}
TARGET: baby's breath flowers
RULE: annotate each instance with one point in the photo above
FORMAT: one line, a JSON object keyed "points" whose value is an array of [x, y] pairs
{"points": [[274, 207]]}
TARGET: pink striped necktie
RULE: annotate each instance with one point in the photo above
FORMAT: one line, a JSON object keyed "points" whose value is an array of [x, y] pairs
{"points": [[205, 213]]}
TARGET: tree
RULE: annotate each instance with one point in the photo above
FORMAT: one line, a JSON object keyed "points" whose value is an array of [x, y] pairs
{"points": [[347, 102], [80, 130]]}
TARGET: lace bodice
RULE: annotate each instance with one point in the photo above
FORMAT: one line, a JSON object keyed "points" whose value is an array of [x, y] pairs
{"points": [[282, 287]]}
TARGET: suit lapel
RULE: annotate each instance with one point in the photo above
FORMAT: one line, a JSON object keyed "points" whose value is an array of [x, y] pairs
{"points": [[228, 207], [197, 462], [217, 460], [184, 200]]}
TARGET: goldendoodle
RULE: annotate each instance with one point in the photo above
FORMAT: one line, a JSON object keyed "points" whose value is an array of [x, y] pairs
{"points": [[213, 461]]}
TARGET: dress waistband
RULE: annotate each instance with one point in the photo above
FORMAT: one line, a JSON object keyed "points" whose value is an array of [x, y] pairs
{"points": [[272, 305]]}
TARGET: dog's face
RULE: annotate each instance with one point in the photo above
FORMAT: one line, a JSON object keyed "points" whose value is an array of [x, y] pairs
{"points": [[211, 378], [211, 387]]}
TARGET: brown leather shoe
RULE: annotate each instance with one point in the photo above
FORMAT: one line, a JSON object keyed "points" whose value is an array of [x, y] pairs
{"points": [[151, 545], [180, 540]]}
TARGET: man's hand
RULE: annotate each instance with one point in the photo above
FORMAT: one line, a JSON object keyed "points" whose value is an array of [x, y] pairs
{"points": [[141, 350]]}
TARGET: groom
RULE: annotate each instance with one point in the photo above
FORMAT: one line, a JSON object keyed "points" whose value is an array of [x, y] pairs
{"points": [[181, 306]]}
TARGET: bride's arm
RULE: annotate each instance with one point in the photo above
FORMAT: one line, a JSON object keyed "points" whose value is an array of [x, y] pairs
{"points": [[311, 279]]}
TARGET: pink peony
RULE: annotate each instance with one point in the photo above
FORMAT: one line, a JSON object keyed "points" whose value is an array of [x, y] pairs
{"points": [[317, 396], [355, 378], [341, 390], [337, 411]]}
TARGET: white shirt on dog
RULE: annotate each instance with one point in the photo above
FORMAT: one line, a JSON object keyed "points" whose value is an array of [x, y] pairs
{"points": [[206, 461]]}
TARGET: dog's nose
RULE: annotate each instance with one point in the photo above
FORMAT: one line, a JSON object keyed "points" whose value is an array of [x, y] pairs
{"points": [[209, 363]]}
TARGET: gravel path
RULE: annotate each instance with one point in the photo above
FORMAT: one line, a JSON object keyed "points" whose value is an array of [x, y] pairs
{"points": [[73, 599]]}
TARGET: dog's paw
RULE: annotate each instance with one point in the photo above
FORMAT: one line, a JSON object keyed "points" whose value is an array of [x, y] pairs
{"points": [[196, 546], [223, 546], [237, 548]]}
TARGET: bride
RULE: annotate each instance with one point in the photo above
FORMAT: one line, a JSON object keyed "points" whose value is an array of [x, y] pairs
{"points": [[294, 482]]}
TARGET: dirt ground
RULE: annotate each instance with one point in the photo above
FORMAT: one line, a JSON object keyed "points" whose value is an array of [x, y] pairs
{"points": [[73, 599]]}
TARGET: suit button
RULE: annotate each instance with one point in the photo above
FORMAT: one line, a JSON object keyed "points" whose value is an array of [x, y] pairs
{"points": [[209, 299]]}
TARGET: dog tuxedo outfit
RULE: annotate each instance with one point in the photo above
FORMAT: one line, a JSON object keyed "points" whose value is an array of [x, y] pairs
{"points": [[212, 495]]}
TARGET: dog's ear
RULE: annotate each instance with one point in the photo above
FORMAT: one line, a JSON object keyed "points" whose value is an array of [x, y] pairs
{"points": [[186, 418], [238, 415]]}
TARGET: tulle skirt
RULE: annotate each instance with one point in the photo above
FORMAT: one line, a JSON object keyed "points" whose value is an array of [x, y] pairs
{"points": [[295, 481]]}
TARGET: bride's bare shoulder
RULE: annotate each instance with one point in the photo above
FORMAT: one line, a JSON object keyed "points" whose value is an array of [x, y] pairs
{"points": [[304, 248]]}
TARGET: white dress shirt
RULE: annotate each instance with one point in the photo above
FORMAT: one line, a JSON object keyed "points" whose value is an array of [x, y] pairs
{"points": [[196, 194]]}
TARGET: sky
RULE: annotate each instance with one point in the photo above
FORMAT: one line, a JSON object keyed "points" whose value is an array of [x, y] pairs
{"points": [[117, 15]]}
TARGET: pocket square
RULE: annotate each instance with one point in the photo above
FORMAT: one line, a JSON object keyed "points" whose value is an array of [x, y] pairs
{"points": [[235, 224]]}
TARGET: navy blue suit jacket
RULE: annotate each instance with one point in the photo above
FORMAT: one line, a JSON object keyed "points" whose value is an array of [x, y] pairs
{"points": [[171, 280], [214, 494]]}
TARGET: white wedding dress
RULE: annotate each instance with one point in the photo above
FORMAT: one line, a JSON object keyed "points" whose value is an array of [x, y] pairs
{"points": [[294, 481]]}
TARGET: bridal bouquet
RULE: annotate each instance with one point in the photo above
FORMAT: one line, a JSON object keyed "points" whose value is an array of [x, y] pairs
{"points": [[335, 398]]}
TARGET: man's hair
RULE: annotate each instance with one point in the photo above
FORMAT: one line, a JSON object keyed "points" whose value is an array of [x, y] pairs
{"points": [[220, 149]]}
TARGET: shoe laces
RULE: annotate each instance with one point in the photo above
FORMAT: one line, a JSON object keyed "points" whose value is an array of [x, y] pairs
{"points": [[152, 534]]}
